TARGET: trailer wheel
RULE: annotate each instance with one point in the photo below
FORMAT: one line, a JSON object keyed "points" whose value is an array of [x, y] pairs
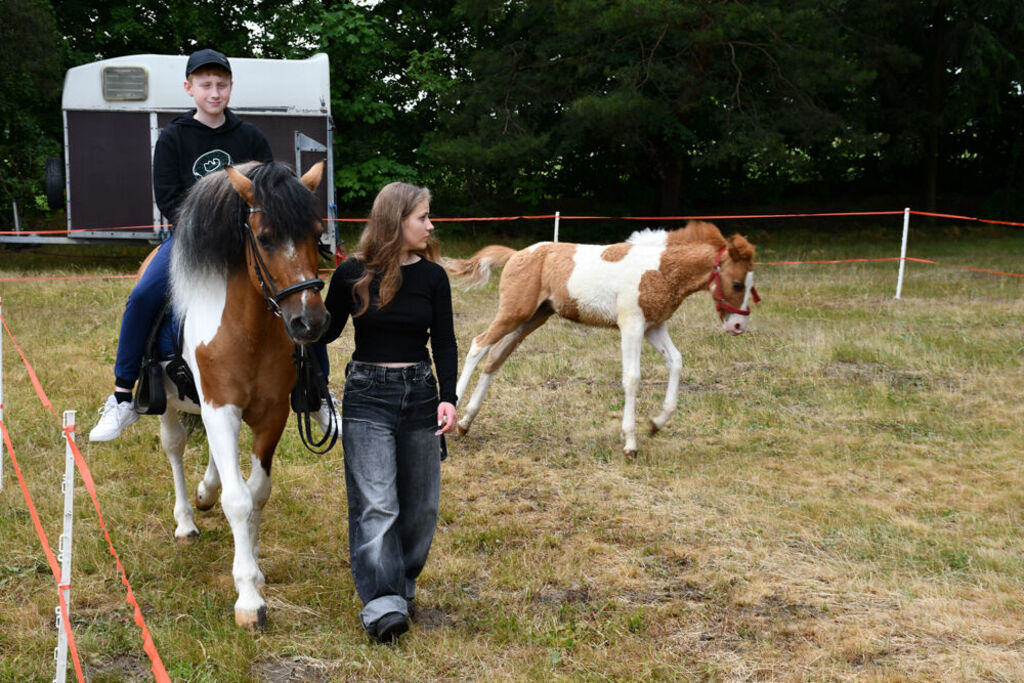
{"points": [[55, 182]]}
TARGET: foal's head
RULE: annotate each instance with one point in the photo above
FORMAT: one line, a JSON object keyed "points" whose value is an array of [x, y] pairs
{"points": [[732, 284], [283, 231]]}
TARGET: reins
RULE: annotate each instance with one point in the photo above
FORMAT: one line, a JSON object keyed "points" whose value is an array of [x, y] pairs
{"points": [[310, 392], [716, 278]]}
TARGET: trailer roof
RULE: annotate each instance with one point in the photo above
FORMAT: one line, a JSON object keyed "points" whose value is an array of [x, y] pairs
{"points": [[270, 86]]}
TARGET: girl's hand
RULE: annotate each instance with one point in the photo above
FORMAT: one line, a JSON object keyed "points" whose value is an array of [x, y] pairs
{"points": [[445, 418]]}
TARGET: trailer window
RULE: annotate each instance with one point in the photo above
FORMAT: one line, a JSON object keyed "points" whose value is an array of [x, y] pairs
{"points": [[125, 83]]}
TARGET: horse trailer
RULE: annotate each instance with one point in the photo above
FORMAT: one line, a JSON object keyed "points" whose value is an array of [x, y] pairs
{"points": [[114, 109]]}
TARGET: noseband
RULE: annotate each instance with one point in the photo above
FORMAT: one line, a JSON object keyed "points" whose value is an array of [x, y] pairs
{"points": [[271, 293], [716, 279]]}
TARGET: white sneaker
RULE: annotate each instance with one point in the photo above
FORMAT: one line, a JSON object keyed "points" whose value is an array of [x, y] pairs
{"points": [[323, 416], [114, 417]]}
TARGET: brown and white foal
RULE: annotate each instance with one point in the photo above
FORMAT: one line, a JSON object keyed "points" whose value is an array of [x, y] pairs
{"points": [[636, 285]]}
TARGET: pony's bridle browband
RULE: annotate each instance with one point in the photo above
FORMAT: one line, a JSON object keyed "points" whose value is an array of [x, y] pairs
{"points": [[271, 293], [716, 277]]}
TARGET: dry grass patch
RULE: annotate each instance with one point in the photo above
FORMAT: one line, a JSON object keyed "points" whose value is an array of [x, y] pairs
{"points": [[838, 497]]}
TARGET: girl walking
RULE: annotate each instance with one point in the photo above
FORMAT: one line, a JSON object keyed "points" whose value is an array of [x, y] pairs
{"points": [[394, 411]]}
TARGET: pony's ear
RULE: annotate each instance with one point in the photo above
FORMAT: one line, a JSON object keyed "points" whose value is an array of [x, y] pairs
{"points": [[242, 185], [740, 249], [311, 178]]}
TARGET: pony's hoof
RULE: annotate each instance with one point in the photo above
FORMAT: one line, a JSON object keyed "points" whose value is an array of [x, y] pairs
{"points": [[250, 620], [187, 538], [461, 431], [653, 427], [630, 453], [200, 504]]}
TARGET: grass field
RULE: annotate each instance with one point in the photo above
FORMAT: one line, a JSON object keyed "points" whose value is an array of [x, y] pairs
{"points": [[840, 495]]}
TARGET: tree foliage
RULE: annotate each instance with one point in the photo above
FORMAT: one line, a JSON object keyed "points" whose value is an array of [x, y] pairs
{"points": [[30, 80], [614, 106]]}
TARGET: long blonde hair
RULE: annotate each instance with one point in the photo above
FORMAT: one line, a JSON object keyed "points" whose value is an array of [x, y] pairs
{"points": [[381, 245]]}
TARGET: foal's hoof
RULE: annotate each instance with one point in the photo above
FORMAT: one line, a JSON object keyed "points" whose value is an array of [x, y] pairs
{"points": [[461, 431], [187, 538], [630, 454], [653, 428], [252, 621]]}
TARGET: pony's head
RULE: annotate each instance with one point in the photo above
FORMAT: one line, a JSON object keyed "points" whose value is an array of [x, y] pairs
{"points": [[281, 235], [732, 284]]}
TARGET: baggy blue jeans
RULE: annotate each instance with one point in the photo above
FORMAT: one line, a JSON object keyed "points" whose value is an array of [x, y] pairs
{"points": [[143, 304], [393, 481]]}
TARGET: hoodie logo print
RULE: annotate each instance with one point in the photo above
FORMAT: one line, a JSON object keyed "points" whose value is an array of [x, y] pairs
{"points": [[214, 160]]}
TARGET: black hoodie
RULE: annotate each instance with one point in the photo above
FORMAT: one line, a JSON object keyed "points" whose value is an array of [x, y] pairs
{"points": [[187, 150]]}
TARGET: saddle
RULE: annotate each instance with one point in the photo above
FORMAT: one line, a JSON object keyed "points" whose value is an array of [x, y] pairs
{"points": [[150, 393]]}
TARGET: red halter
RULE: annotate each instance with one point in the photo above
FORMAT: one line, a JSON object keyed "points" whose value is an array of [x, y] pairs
{"points": [[716, 277]]}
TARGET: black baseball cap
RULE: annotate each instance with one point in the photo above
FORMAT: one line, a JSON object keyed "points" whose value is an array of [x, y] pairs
{"points": [[202, 58]]}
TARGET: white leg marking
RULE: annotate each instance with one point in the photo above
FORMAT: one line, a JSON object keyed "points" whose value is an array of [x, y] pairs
{"points": [[222, 427], [658, 338], [632, 338], [476, 400], [259, 488], [172, 437], [208, 489], [476, 353]]}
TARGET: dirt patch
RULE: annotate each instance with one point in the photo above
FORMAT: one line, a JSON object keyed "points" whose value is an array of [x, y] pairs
{"points": [[552, 596], [290, 669], [430, 618], [127, 668]]}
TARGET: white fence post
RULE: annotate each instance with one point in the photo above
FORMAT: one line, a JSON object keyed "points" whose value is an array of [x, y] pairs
{"points": [[903, 251], [64, 547], [557, 216]]}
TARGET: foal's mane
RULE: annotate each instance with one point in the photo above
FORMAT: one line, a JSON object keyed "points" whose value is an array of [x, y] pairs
{"points": [[697, 231], [209, 237], [693, 231]]}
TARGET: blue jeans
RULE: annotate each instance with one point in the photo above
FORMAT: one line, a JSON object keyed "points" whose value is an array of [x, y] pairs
{"points": [[392, 479], [143, 304], [148, 295]]}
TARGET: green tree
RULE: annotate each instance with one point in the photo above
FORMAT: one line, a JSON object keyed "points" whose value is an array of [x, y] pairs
{"points": [[947, 93], [30, 81], [269, 28], [391, 62], [645, 100]]}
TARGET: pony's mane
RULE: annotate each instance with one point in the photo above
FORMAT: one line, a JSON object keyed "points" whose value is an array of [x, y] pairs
{"points": [[209, 237], [697, 231], [647, 236]]}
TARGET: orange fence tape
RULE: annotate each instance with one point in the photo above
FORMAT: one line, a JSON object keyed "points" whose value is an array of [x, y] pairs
{"points": [[83, 469], [552, 216], [882, 259], [51, 559], [966, 218], [66, 277]]}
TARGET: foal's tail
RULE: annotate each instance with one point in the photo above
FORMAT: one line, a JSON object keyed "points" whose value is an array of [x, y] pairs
{"points": [[477, 269]]}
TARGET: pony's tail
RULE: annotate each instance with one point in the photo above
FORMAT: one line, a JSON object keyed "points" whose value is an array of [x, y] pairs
{"points": [[477, 269]]}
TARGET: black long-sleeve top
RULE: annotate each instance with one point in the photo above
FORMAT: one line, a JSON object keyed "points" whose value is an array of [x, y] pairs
{"points": [[398, 333]]}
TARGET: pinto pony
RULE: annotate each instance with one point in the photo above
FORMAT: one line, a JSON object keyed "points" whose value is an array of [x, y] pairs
{"points": [[244, 281], [636, 285]]}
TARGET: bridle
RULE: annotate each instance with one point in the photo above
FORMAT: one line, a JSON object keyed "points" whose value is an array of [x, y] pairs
{"points": [[310, 384], [271, 293], [716, 278]]}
